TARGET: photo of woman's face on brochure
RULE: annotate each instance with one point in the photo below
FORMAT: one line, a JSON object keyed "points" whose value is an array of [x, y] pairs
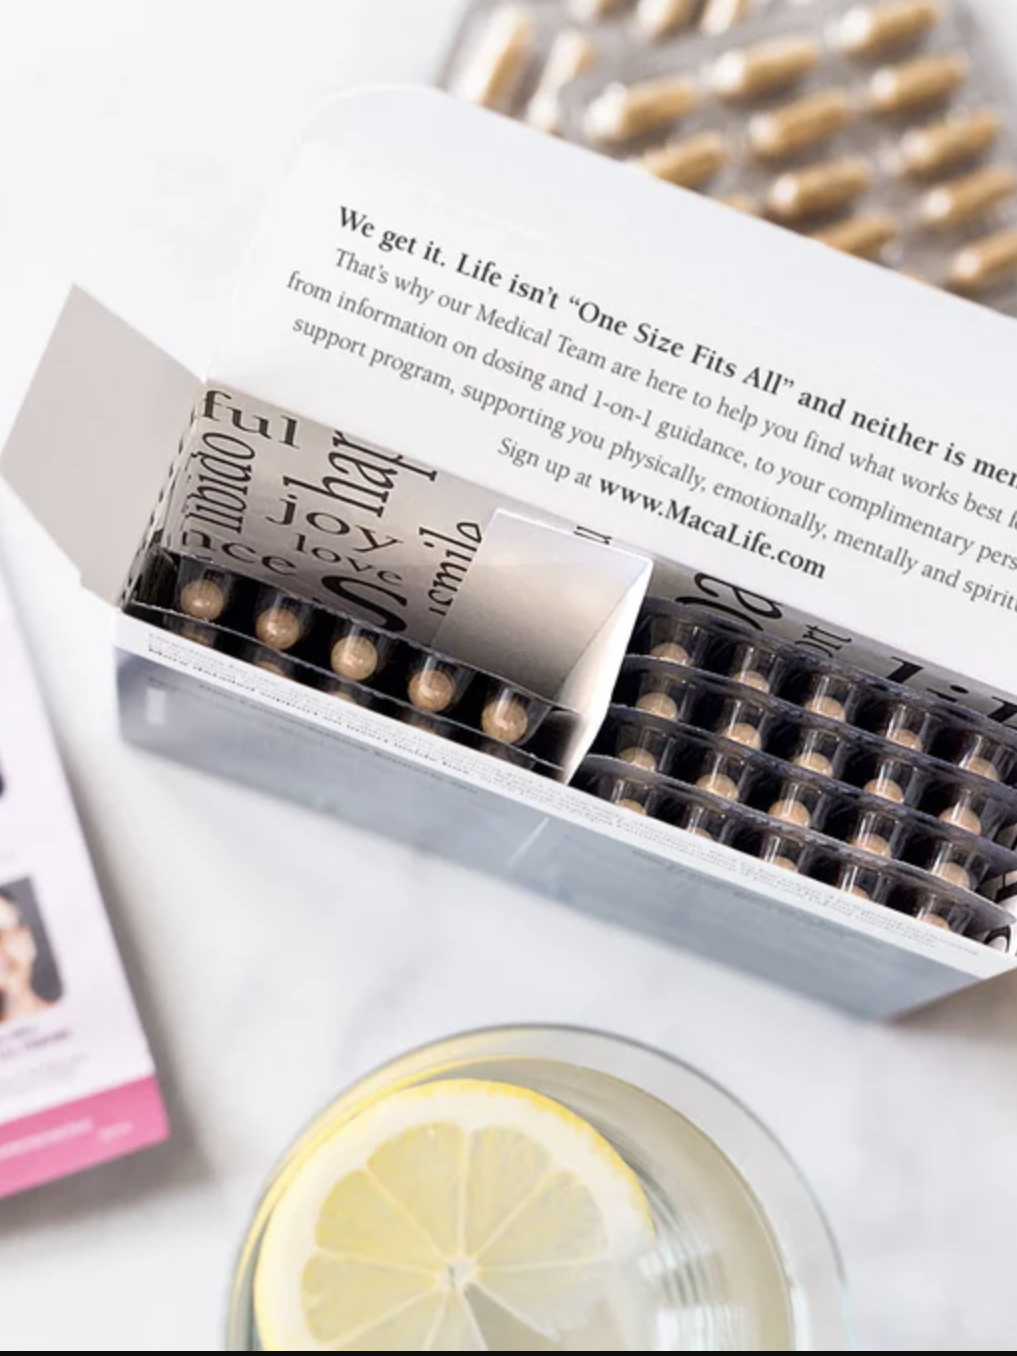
{"points": [[29, 980]]}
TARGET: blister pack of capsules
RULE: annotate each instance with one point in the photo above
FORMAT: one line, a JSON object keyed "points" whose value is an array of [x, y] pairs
{"points": [[895, 796], [876, 128], [518, 58], [336, 654]]}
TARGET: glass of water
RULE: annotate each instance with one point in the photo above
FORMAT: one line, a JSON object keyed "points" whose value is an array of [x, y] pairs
{"points": [[537, 1189]]}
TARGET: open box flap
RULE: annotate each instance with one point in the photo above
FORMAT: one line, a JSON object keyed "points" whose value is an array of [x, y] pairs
{"points": [[570, 334], [93, 442]]}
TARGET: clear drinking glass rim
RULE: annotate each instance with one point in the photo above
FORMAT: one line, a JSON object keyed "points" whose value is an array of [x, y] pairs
{"points": [[524, 1031]]}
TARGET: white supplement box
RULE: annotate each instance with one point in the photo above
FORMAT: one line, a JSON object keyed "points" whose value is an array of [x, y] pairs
{"points": [[493, 391]]}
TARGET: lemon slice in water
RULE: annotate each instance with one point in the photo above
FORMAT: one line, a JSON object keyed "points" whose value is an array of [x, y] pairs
{"points": [[457, 1216]]}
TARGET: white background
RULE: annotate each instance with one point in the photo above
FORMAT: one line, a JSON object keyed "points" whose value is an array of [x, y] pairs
{"points": [[277, 955]]}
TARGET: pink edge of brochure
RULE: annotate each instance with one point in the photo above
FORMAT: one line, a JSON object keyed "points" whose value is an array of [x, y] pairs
{"points": [[80, 1135]]}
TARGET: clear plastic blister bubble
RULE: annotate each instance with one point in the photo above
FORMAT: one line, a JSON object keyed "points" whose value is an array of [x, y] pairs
{"points": [[885, 793], [289, 638], [881, 130]]}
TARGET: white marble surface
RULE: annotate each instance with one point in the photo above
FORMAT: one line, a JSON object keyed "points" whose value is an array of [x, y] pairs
{"points": [[277, 955]]}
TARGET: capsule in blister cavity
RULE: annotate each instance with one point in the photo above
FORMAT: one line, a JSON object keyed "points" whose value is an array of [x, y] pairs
{"points": [[721, 15], [797, 804], [909, 727], [509, 716], [894, 780], [744, 720], [897, 89], [946, 914], [869, 30], [795, 126], [861, 881], [749, 72], [820, 188], [435, 686], [875, 833], [571, 54], [498, 63], [986, 757], [755, 665], [953, 865], [690, 162], [659, 18], [782, 852], [865, 236], [985, 263], [941, 146], [972, 195], [623, 112], [678, 640], [819, 751], [665, 693], [703, 822], [281, 622], [964, 813], [202, 593], [722, 776], [831, 696]]}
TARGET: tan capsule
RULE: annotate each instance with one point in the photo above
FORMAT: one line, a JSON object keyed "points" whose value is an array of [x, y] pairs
{"points": [[906, 739], [660, 18], [593, 9], [622, 112], [658, 704], [953, 873], [720, 785], [498, 64], [934, 920], [964, 199], [821, 188], [870, 29], [355, 658], [985, 263], [785, 863], [896, 89], [864, 236], [981, 767], [691, 162], [752, 678], [721, 15], [672, 652], [791, 812], [571, 54], [857, 891], [432, 690], [203, 599], [632, 805], [279, 627], [886, 788], [829, 707], [742, 202], [197, 635], [753, 71], [815, 762], [741, 732], [939, 146], [641, 758], [962, 817], [873, 843], [799, 124], [507, 721]]}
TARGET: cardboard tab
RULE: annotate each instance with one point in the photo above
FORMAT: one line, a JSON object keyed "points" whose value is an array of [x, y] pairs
{"points": [[91, 447]]}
